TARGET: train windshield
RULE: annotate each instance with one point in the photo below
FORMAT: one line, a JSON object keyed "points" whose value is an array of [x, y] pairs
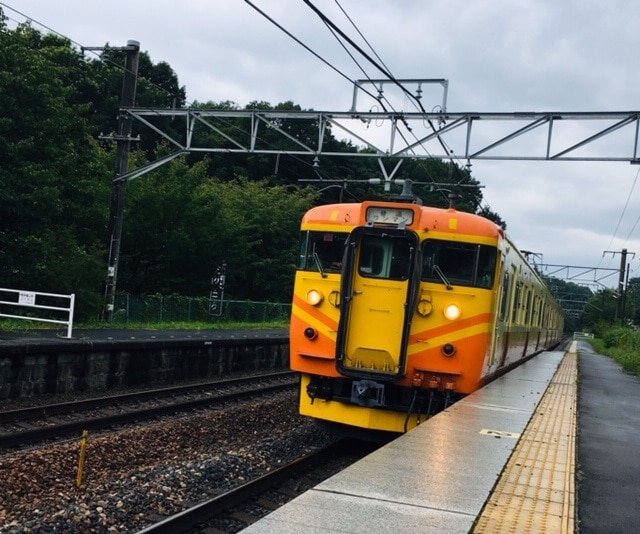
{"points": [[455, 263], [322, 251], [382, 257]]}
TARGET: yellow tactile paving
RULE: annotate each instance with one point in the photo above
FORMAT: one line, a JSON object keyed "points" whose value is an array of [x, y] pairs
{"points": [[536, 492]]}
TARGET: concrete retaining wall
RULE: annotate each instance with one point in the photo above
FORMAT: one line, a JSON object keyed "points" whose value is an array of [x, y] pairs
{"points": [[96, 366]]}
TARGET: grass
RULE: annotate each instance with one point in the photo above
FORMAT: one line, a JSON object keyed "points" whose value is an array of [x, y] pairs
{"points": [[623, 345], [10, 325]]}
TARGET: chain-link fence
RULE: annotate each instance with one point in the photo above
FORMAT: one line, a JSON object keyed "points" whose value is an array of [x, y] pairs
{"points": [[157, 308]]}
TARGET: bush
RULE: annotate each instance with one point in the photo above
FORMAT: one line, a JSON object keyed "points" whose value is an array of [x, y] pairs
{"points": [[623, 345]]}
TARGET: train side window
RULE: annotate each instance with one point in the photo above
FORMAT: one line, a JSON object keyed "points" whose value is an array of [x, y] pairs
{"points": [[528, 307], [487, 257], [505, 297], [323, 250], [517, 303]]}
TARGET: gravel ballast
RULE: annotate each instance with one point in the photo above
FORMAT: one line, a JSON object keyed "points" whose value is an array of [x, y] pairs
{"points": [[136, 476]]}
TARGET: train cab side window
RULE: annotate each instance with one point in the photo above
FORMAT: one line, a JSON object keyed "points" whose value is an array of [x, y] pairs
{"points": [[455, 263], [322, 251]]}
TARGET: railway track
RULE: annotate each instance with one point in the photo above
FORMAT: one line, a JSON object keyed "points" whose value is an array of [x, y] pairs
{"points": [[234, 510], [36, 424]]}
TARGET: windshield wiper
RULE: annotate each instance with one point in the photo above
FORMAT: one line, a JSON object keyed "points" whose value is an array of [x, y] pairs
{"points": [[316, 258], [439, 272]]}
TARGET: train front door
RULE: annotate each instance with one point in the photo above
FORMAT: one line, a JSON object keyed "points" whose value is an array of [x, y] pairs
{"points": [[377, 303]]}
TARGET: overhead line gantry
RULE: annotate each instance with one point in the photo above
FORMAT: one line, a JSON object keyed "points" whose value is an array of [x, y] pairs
{"points": [[549, 136]]}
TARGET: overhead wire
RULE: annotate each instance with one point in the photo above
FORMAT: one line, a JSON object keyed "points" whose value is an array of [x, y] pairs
{"points": [[361, 34], [635, 180], [620, 219], [635, 224], [336, 32], [307, 48], [377, 65], [101, 57], [326, 62], [382, 67], [105, 59]]}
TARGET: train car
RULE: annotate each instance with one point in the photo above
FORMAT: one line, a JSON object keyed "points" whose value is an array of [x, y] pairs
{"points": [[400, 309]]}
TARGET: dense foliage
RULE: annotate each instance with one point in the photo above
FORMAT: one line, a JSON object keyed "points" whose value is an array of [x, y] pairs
{"points": [[182, 220], [573, 299]]}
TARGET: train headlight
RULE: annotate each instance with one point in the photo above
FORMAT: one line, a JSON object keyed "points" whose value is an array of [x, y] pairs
{"points": [[452, 312], [314, 297]]}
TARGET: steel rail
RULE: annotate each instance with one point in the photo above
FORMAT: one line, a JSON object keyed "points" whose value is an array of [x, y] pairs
{"points": [[24, 414], [192, 517], [64, 429]]}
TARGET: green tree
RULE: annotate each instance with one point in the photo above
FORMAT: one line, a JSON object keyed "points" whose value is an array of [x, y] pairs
{"points": [[184, 218], [53, 180], [632, 301], [160, 249], [261, 228], [600, 312], [181, 224]]}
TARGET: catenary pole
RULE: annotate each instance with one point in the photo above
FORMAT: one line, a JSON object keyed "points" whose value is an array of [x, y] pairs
{"points": [[123, 139]]}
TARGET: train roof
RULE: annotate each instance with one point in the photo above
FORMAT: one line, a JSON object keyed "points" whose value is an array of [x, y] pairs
{"points": [[427, 218]]}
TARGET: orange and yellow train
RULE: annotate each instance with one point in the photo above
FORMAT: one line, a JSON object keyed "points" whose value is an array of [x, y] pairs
{"points": [[400, 309]]}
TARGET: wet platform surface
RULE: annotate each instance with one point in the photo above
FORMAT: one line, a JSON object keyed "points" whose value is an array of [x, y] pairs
{"points": [[554, 446]]}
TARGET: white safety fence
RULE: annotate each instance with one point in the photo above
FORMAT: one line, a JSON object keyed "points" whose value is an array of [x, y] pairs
{"points": [[582, 335], [18, 299]]}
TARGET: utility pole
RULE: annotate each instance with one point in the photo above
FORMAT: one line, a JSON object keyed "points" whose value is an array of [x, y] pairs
{"points": [[123, 139], [620, 303]]}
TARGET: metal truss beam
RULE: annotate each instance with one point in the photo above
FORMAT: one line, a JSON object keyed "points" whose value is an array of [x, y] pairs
{"points": [[578, 274], [533, 136]]}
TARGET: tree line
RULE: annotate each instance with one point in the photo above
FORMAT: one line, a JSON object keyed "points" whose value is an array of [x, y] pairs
{"points": [[182, 220]]}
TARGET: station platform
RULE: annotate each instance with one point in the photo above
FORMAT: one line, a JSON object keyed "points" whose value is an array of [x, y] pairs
{"points": [[501, 460]]}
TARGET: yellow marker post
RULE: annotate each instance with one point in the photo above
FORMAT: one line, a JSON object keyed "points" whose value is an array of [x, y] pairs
{"points": [[83, 453]]}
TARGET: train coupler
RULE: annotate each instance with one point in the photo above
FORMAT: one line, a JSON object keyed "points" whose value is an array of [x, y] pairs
{"points": [[367, 393]]}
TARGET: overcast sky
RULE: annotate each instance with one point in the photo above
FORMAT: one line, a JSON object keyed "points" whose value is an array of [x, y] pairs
{"points": [[498, 55]]}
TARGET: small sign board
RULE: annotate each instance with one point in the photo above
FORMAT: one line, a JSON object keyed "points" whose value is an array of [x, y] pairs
{"points": [[27, 298]]}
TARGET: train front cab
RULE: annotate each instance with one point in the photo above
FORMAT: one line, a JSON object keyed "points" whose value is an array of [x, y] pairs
{"points": [[412, 312]]}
